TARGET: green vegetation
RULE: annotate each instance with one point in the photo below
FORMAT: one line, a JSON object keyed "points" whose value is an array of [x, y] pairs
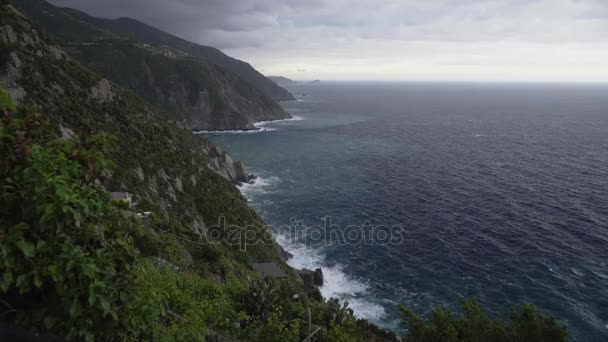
{"points": [[526, 324], [6, 101]]}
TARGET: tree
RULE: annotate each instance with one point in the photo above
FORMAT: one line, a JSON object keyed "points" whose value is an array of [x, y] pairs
{"points": [[526, 324]]}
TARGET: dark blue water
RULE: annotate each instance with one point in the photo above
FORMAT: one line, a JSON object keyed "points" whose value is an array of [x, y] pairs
{"points": [[502, 190]]}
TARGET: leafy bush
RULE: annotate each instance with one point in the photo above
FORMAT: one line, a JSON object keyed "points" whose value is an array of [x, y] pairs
{"points": [[66, 250], [5, 100]]}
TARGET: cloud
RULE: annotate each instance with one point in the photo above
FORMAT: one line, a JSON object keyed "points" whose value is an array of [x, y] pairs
{"points": [[365, 38]]}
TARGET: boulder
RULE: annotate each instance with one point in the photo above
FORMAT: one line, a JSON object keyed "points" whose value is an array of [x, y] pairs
{"points": [[318, 278], [310, 278]]}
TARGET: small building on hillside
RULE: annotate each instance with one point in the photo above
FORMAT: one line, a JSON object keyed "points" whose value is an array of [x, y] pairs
{"points": [[122, 197]]}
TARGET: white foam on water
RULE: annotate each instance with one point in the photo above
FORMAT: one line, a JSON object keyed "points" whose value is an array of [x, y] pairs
{"points": [[261, 124], [239, 131], [337, 284], [261, 185]]}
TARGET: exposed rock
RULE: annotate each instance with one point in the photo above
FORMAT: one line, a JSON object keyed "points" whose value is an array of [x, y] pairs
{"points": [[27, 40], [318, 279], [310, 278], [9, 35], [17, 93], [103, 92], [223, 164], [55, 52], [283, 253], [179, 185], [163, 174], [140, 173], [66, 133], [200, 228]]}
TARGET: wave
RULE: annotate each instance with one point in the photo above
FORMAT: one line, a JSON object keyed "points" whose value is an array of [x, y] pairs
{"points": [[337, 283], [261, 124], [237, 131], [260, 127], [259, 186]]}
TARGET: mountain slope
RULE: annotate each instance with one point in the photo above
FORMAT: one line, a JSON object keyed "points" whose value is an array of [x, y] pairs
{"points": [[198, 94], [148, 34], [281, 80], [169, 170], [144, 33]]}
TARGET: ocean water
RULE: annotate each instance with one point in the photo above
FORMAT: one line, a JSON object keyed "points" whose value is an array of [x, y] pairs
{"points": [[499, 192]]}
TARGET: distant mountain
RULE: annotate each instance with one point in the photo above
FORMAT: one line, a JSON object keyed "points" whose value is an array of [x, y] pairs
{"points": [[281, 80], [199, 94], [147, 34]]}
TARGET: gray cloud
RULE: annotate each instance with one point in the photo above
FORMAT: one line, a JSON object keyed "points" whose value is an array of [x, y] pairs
{"points": [[283, 35]]}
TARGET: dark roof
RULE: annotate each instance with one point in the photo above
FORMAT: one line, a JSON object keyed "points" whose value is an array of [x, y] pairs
{"points": [[270, 270]]}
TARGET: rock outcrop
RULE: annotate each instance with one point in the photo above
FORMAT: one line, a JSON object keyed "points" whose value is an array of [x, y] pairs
{"points": [[312, 279], [222, 163]]}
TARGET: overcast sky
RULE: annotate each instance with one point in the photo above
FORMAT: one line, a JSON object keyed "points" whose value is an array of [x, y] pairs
{"points": [[523, 40]]}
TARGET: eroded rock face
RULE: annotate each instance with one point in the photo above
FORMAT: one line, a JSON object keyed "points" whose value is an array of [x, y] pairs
{"points": [[103, 91], [223, 164]]}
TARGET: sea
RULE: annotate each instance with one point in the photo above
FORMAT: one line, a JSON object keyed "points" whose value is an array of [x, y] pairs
{"points": [[426, 194]]}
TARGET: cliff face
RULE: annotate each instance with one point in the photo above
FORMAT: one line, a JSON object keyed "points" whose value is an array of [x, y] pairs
{"points": [[168, 169], [144, 33], [201, 96], [197, 94]]}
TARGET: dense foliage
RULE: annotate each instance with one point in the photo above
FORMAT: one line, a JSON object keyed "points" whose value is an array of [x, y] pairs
{"points": [[526, 324]]}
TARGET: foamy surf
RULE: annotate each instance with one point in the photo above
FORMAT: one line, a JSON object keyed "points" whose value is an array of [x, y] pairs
{"points": [[259, 186], [238, 131], [262, 124], [337, 284]]}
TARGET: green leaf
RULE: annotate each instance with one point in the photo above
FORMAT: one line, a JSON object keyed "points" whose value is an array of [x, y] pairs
{"points": [[105, 305], [28, 249], [8, 278]]}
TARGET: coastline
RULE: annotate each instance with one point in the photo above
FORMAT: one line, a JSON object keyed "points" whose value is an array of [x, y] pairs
{"points": [[338, 283], [260, 126]]}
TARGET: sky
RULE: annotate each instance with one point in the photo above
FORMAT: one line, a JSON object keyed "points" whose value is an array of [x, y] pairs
{"points": [[434, 40]]}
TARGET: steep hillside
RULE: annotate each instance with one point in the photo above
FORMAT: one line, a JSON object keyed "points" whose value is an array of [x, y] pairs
{"points": [[142, 33], [281, 80], [197, 94], [147, 34], [168, 169]]}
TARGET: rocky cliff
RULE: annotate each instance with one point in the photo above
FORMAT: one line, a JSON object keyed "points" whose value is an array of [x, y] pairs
{"points": [[150, 35], [197, 94], [281, 80], [161, 164]]}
